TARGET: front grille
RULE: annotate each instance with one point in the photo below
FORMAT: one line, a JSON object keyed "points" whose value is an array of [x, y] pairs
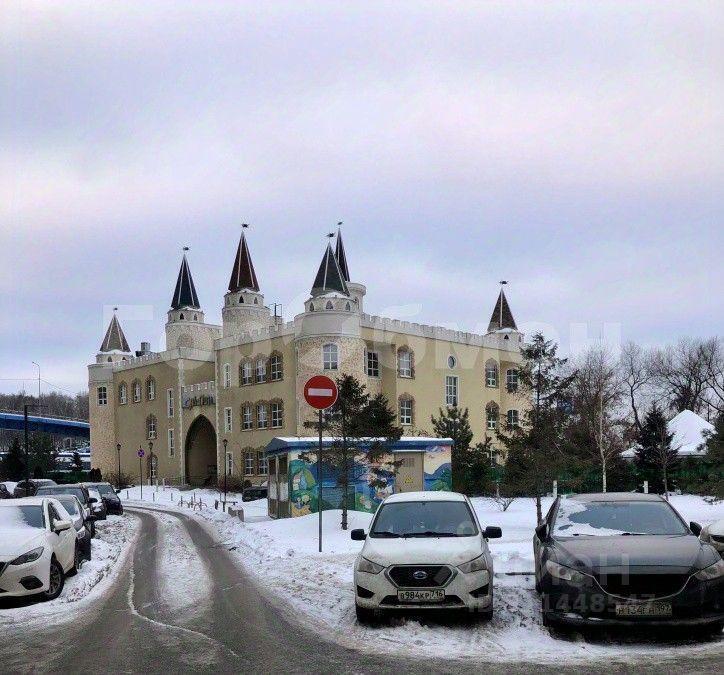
{"points": [[420, 576], [645, 585]]}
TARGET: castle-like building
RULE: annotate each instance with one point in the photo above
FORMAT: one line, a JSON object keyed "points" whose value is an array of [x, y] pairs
{"points": [[219, 394]]}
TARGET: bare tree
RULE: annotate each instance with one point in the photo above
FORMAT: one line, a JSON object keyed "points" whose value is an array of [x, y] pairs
{"points": [[636, 377], [681, 374], [714, 354]]}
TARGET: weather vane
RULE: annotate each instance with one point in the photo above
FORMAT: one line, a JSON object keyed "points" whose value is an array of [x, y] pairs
{"points": [[115, 309], [339, 224], [502, 283], [330, 235], [186, 248], [245, 225]]}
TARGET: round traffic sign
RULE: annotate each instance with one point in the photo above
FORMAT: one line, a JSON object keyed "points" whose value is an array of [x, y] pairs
{"points": [[141, 452], [320, 392]]}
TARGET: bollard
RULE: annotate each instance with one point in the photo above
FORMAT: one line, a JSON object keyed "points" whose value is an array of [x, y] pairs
{"points": [[154, 496], [555, 489], [126, 494]]}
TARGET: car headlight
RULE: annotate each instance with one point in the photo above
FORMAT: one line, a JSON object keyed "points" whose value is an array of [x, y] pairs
{"points": [[712, 572], [565, 573], [30, 556], [369, 566], [475, 565]]}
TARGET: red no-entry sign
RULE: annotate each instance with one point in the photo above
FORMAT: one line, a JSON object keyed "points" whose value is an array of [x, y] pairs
{"points": [[320, 392]]}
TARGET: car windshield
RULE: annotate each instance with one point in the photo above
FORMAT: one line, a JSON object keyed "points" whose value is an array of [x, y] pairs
{"points": [[62, 490], [104, 489], [70, 504], [424, 519], [22, 516], [606, 519]]}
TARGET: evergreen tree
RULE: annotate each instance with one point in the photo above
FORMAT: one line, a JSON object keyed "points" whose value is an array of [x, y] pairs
{"points": [[655, 458], [13, 464], [42, 454], [77, 462], [714, 460], [454, 423]]}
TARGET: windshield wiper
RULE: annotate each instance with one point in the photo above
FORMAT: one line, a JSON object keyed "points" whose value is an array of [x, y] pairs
{"points": [[429, 534], [633, 534], [386, 534]]}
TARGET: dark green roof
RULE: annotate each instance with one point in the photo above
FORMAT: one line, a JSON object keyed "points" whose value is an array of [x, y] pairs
{"points": [[329, 278]]}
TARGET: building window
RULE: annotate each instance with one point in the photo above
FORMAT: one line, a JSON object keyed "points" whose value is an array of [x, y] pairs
{"points": [[330, 357], [405, 410], [491, 416], [451, 390], [491, 374], [276, 371], [247, 421], [170, 443], [150, 389], [249, 463], [373, 364], [228, 420], [246, 377], [511, 379], [451, 362], [102, 396], [136, 391], [227, 376], [229, 463], [169, 402], [513, 421], [261, 420], [123, 394], [262, 463], [405, 363], [277, 414], [151, 427], [261, 370]]}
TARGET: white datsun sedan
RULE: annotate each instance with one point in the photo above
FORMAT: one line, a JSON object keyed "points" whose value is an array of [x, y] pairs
{"points": [[714, 534], [37, 547], [425, 551]]}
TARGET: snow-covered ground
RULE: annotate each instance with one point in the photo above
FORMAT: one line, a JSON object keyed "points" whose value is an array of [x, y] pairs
{"points": [[318, 587], [113, 540]]}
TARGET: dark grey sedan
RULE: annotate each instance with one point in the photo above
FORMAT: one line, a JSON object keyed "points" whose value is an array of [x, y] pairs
{"points": [[625, 559]]}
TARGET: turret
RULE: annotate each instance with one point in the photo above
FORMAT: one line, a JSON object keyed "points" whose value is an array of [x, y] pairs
{"points": [[115, 346], [356, 291]]}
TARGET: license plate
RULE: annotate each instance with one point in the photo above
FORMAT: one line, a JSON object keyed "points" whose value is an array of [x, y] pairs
{"points": [[644, 609], [437, 595]]}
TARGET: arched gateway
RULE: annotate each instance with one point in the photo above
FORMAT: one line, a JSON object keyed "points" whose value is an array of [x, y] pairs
{"points": [[201, 452]]}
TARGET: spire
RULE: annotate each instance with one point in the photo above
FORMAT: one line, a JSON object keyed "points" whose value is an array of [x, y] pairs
{"points": [[115, 340], [340, 254], [329, 277], [243, 275], [502, 316], [185, 293]]}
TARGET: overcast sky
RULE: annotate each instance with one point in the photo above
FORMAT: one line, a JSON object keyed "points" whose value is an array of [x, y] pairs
{"points": [[575, 149]]}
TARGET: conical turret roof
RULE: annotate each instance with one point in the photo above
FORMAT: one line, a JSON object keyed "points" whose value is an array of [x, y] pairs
{"points": [[502, 317], [341, 256], [329, 278], [185, 293], [115, 340], [243, 275]]}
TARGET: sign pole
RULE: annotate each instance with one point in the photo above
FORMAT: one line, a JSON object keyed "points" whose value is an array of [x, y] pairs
{"points": [[319, 479], [140, 473]]}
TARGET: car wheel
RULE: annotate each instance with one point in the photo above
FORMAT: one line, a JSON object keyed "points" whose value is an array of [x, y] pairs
{"points": [[57, 580], [483, 615], [365, 615]]}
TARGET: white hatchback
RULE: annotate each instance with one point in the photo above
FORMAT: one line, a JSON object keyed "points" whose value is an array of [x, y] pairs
{"points": [[424, 551], [37, 547], [714, 534]]}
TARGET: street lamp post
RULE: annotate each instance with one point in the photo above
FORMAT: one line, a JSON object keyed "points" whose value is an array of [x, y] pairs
{"points": [[118, 481], [226, 471], [37, 365], [27, 444]]}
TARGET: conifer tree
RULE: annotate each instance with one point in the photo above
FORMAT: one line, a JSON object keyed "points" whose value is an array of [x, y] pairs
{"points": [[655, 458], [13, 464], [454, 423]]}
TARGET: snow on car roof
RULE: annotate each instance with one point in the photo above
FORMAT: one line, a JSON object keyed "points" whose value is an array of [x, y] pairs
{"points": [[615, 497], [27, 501], [431, 496]]}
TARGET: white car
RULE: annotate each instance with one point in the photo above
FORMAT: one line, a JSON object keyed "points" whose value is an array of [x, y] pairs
{"points": [[714, 534], [424, 551], [37, 547]]}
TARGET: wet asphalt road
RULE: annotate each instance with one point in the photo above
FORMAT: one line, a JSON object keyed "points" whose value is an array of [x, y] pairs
{"points": [[129, 630]]}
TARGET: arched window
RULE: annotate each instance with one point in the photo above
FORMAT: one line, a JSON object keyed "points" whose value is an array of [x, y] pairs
{"points": [[256, 301], [276, 409], [110, 360], [150, 389], [196, 317], [245, 373], [241, 299], [492, 412], [227, 375], [348, 307], [247, 416], [261, 369], [405, 362], [311, 306], [262, 421], [276, 367], [123, 393], [406, 410], [491, 373], [181, 316], [329, 305], [511, 379], [513, 419], [136, 391], [151, 427], [330, 357]]}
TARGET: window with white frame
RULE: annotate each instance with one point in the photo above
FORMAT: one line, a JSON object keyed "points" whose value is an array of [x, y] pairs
{"points": [[246, 377], [262, 464], [169, 402], [228, 420], [247, 419], [277, 414], [227, 375], [261, 420], [373, 364], [123, 394], [150, 389], [171, 448], [406, 411], [276, 371], [102, 396], [249, 463], [451, 390], [404, 363], [511, 379], [513, 419], [136, 391], [261, 370], [491, 374], [229, 463], [330, 357], [491, 416], [151, 427]]}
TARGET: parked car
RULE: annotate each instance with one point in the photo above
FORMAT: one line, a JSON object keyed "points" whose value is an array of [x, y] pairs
{"points": [[82, 528], [37, 547], [98, 506], [30, 487], [77, 490], [6, 492], [714, 534], [255, 492], [625, 559], [110, 497], [425, 551]]}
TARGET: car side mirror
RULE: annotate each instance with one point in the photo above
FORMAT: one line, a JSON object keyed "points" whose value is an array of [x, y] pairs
{"points": [[492, 532], [542, 531], [92, 500], [62, 525], [358, 534], [695, 528]]}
